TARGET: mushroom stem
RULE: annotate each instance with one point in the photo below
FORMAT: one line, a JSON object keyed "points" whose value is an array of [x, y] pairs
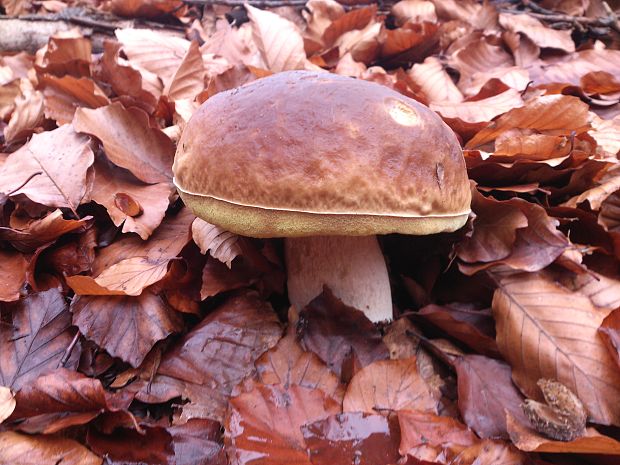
{"points": [[352, 267]]}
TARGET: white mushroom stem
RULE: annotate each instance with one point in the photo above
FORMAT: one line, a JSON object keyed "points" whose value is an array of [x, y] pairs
{"points": [[352, 267]]}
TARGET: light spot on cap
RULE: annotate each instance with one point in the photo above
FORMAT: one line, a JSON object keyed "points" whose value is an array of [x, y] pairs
{"points": [[402, 113]]}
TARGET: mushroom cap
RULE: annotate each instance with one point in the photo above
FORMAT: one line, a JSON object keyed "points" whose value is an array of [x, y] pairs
{"points": [[305, 154]]}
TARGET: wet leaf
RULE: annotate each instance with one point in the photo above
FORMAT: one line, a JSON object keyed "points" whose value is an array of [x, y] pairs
{"points": [[546, 331], [22, 449], [357, 438], [263, 426], [61, 158], [34, 337], [126, 327], [389, 385], [129, 141]]}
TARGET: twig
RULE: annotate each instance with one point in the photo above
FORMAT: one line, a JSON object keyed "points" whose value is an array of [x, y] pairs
{"points": [[65, 358]]}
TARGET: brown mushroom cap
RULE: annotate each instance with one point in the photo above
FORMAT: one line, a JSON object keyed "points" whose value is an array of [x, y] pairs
{"points": [[303, 153]]}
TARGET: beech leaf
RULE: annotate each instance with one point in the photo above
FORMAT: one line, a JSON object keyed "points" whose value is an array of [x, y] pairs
{"points": [[22, 449], [220, 244]]}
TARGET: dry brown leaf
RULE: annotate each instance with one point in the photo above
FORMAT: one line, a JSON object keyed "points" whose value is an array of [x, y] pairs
{"points": [[62, 157], [218, 353], [603, 291], [132, 275], [32, 234], [319, 15], [485, 394], [547, 331], [13, 268], [610, 332], [363, 44], [288, 364], [552, 114], [415, 11], [495, 230], [386, 386], [143, 8], [129, 140], [347, 66], [188, 80], [526, 144], [220, 244], [63, 95], [435, 81], [356, 19], [278, 40], [596, 195], [263, 426], [480, 110], [126, 81], [126, 327], [27, 116], [157, 52], [606, 133], [541, 35], [8, 96], [477, 57], [426, 435], [67, 52], [592, 442], [7, 403], [33, 339], [22, 449], [153, 199], [234, 44]]}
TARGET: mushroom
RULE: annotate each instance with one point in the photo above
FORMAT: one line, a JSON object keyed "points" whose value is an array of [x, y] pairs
{"points": [[327, 162]]}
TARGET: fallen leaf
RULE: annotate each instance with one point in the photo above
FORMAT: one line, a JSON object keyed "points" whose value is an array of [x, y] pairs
{"points": [[220, 244], [62, 399], [319, 15], [188, 80], [357, 438], [339, 334], [63, 95], [129, 140], [592, 442], [550, 114], [27, 116], [356, 19], [126, 81], [278, 40], [156, 51], [153, 199], [414, 11], [540, 34], [607, 134], [476, 57], [196, 442], [288, 364], [435, 82], [7, 403], [547, 331], [474, 328], [263, 426], [215, 355], [480, 110], [495, 229], [422, 430], [126, 327], [603, 291], [22, 449], [217, 277], [13, 268], [67, 53], [610, 332], [61, 157], [389, 385], [485, 393], [34, 338], [143, 8], [46, 230]]}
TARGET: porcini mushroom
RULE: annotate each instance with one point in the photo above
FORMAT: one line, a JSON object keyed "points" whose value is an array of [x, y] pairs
{"points": [[327, 162]]}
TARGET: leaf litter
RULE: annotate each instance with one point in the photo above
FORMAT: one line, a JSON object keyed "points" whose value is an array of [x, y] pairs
{"points": [[125, 320]]}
